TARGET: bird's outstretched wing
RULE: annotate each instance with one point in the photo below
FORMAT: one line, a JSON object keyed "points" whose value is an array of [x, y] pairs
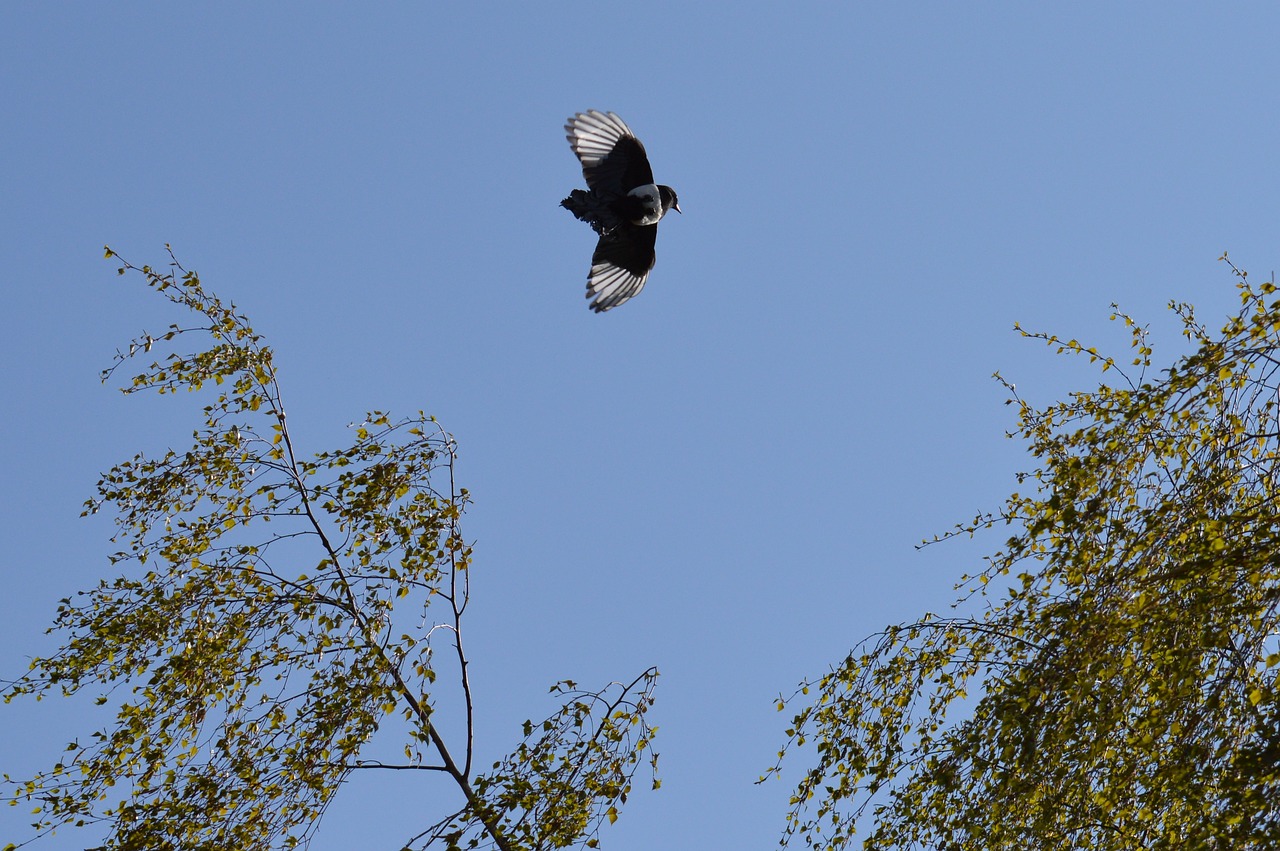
{"points": [[613, 160], [620, 265]]}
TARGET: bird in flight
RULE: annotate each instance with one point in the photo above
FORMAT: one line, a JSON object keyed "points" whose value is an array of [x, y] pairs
{"points": [[621, 203]]}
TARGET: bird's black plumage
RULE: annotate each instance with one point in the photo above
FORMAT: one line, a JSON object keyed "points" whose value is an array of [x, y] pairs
{"points": [[622, 204]]}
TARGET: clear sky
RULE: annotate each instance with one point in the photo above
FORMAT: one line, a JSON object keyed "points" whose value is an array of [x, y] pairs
{"points": [[724, 477]]}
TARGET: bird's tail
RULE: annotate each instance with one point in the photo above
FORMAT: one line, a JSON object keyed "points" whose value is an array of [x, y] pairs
{"points": [[590, 209]]}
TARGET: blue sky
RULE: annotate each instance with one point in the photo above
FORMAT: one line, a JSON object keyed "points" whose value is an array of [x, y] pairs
{"points": [[724, 477]]}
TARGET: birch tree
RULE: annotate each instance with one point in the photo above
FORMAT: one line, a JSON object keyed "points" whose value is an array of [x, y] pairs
{"points": [[271, 611], [1108, 679]]}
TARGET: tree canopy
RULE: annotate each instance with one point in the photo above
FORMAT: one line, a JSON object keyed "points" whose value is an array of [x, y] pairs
{"points": [[274, 611], [1108, 679]]}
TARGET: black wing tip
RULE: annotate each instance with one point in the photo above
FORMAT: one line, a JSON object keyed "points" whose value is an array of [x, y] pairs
{"points": [[601, 307]]}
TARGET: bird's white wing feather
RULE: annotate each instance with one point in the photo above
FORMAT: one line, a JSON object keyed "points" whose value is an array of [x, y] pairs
{"points": [[592, 135], [611, 285]]}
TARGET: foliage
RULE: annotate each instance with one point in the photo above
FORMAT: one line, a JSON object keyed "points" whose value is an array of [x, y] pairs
{"points": [[546, 793], [1122, 693], [274, 612]]}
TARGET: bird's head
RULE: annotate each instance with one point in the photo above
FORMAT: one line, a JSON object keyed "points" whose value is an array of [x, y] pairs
{"points": [[669, 200]]}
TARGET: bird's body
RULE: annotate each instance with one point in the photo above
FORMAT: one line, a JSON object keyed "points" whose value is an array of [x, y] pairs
{"points": [[622, 204]]}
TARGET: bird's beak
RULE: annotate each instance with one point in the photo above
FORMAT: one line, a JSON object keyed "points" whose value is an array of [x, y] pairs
{"points": [[676, 207]]}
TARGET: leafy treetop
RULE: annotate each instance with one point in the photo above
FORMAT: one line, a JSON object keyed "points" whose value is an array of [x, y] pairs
{"points": [[273, 613], [1122, 693]]}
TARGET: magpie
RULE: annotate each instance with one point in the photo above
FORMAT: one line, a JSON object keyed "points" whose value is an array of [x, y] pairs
{"points": [[622, 204]]}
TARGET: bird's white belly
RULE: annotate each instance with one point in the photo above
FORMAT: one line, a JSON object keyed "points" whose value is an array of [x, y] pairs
{"points": [[652, 204]]}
